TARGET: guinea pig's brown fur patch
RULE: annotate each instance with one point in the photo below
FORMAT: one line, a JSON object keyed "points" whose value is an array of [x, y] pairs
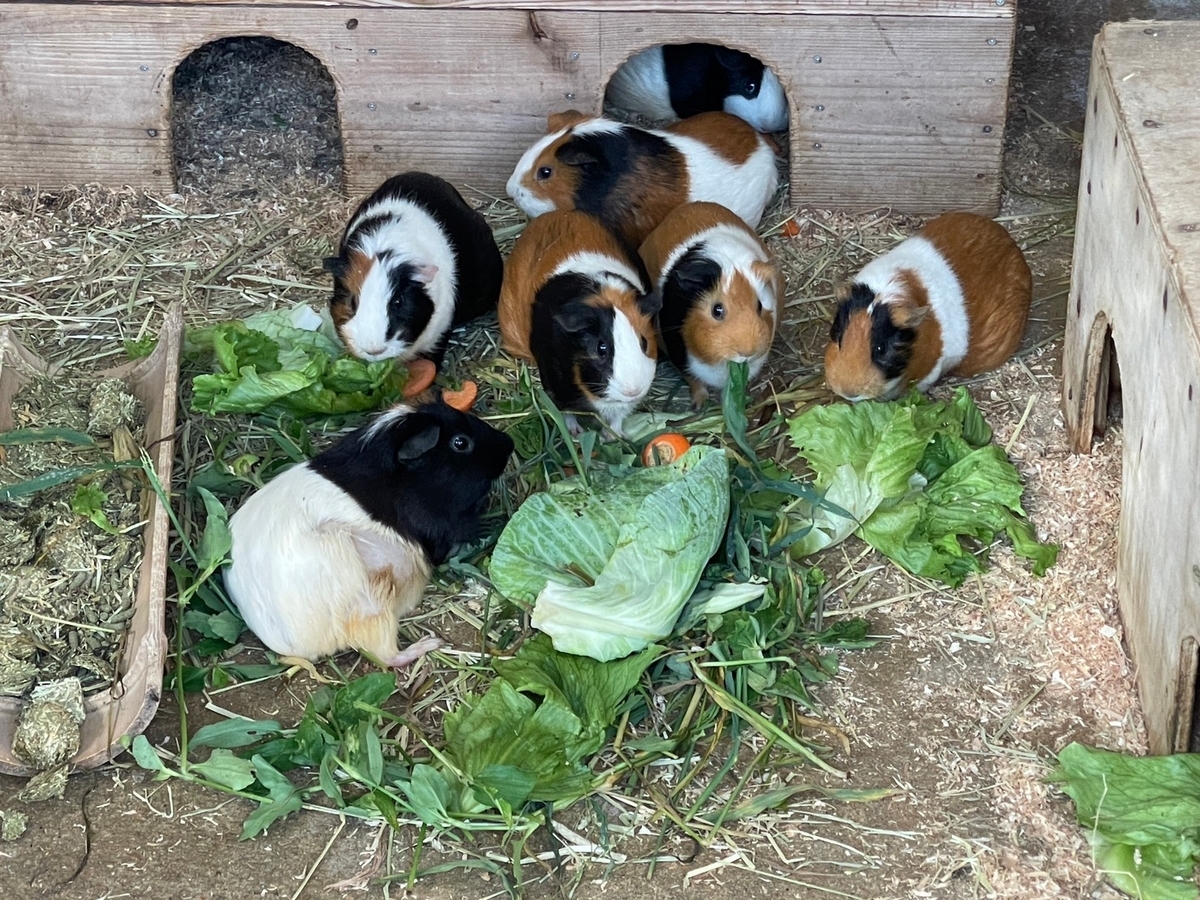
{"points": [[563, 184], [546, 241], [848, 368], [626, 302], [344, 305], [911, 310], [565, 119], [996, 284], [729, 136], [743, 332]]}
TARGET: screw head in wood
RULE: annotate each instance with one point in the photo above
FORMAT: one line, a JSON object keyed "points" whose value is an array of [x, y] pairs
{"points": [[992, 42], [371, 106], [144, 68], [820, 107], [816, 59], [351, 24]]}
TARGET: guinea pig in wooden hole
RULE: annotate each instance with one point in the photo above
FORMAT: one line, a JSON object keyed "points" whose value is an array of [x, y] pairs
{"points": [[721, 291], [331, 553], [630, 178], [951, 300]]}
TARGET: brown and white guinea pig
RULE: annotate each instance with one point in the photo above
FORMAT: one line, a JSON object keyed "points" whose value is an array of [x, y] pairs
{"points": [[577, 302], [630, 178], [952, 299], [681, 80], [332, 552], [415, 261], [721, 291]]}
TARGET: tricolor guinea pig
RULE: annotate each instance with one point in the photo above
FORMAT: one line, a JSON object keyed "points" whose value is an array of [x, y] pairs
{"points": [[576, 301], [332, 552], [681, 80], [630, 178], [415, 261], [952, 299], [721, 291]]}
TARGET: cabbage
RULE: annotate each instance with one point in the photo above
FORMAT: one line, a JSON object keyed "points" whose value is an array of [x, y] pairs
{"points": [[607, 567]]}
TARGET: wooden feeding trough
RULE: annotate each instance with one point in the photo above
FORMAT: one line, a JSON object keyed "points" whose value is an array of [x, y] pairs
{"points": [[895, 103], [1136, 277], [130, 703]]}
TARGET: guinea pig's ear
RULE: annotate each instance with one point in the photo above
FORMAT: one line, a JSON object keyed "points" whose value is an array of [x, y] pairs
{"points": [[908, 315], [574, 153], [733, 60], [573, 319], [419, 442], [423, 273], [696, 273], [650, 304], [565, 119], [337, 266]]}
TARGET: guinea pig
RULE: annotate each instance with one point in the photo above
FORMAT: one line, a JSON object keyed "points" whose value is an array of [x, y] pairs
{"points": [[415, 261], [576, 301], [721, 291], [952, 299], [332, 552], [630, 178], [681, 80]]}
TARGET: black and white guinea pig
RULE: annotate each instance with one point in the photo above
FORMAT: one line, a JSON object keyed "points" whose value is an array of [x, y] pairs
{"points": [[331, 553], [951, 300], [415, 261], [630, 178], [721, 292], [576, 301], [681, 80]]}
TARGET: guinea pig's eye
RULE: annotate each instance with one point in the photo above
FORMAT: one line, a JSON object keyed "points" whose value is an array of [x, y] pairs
{"points": [[602, 348], [645, 345], [718, 311], [760, 307], [544, 172], [751, 86], [460, 443]]}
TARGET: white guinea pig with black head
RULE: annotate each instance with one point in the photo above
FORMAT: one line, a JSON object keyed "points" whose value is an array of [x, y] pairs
{"points": [[577, 301], [951, 300], [721, 291], [631, 178], [681, 80], [415, 261], [331, 553]]}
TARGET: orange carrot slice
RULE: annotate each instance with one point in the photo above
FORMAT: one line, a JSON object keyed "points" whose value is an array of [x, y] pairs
{"points": [[664, 449], [462, 400], [421, 373]]}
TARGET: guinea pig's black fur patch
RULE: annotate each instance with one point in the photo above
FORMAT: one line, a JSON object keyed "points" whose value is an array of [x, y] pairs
{"points": [[426, 475], [568, 335], [891, 345], [409, 305], [693, 275], [700, 76]]}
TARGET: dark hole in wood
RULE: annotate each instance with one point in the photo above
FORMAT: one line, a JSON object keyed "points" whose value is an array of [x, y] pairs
{"points": [[1109, 406], [1095, 104], [1079, 304], [1187, 726], [1089, 187], [1137, 216], [251, 114], [1114, 142], [351, 24], [1164, 299], [1189, 393]]}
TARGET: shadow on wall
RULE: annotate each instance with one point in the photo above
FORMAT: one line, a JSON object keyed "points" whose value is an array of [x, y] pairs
{"points": [[673, 81], [250, 114]]}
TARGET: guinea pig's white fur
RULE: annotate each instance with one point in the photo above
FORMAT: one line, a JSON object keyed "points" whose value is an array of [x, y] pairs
{"points": [[642, 86], [573, 243], [748, 285], [322, 556], [952, 299], [712, 156]]}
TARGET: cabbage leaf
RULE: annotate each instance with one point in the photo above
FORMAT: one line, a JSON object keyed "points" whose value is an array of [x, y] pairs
{"points": [[287, 361], [608, 567], [916, 477]]}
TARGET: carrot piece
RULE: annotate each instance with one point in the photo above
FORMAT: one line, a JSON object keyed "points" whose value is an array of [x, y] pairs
{"points": [[421, 373], [462, 400], [664, 449]]}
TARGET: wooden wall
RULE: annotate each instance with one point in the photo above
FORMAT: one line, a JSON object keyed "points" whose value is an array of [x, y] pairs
{"points": [[898, 110]]}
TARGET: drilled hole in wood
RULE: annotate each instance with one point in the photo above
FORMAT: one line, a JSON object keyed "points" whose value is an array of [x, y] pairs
{"points": [[1095, 104], [1137, 216], [1089, 187], [1164, 299], [252, 113]]}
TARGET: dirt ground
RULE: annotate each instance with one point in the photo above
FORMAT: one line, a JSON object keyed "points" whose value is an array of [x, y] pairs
{"points": [[959, 708]]}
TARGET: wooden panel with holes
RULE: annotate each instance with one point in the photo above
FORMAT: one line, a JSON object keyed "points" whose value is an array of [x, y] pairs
{"points": [[463, 91], [1136, 276]]}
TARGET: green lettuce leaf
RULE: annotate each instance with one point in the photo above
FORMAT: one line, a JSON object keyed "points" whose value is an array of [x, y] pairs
{"points": [[287, 361], [917, 477], [608, 569], [1143, 815]]}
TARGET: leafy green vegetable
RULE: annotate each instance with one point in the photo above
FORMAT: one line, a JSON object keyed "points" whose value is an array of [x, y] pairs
{"points": [[88, 501], [45, 435], [287, 361], [916, 477], [1143, 815], [609, 567]]}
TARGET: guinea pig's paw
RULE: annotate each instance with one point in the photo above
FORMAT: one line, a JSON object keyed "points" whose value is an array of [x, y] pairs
{"points": [[413, 652], [573, 425], [699, 391]]}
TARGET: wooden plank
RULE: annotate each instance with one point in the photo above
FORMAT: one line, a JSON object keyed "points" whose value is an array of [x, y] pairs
{"points": [[1132, 274], [919, 129], [981, 8]]}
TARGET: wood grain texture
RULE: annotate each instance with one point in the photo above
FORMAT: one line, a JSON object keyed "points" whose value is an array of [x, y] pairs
{"points": [[989, 9], [903, 111], [1134, 273]]}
